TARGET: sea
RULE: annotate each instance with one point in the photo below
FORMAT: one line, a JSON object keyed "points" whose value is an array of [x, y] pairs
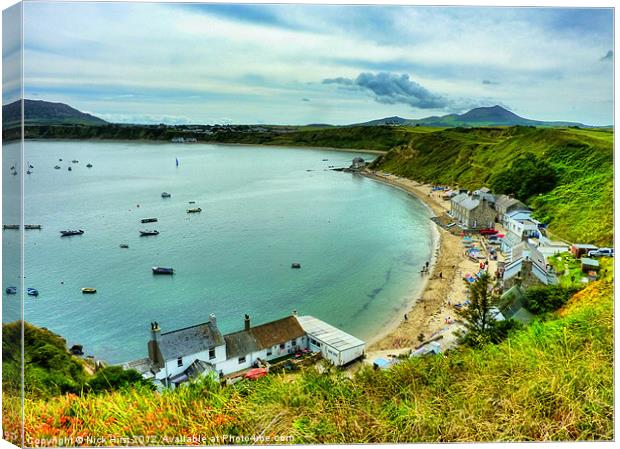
{"points": [[360, 243]]}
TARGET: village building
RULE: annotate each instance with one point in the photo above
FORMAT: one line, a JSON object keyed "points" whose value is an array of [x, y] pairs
{"points": [[474, 211], [505, 204], [580, 249], [180, 355], [512, 305], [527, 267]]}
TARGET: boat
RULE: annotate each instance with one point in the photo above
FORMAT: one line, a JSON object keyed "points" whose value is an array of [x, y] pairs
{"points": [[30, 166], [194, 210], [11, 290], [192, 202], [71, 232], [14, 172], [147, 232], [124, 245], [162, 270], [148, 220], [28, 172], [89, 290], [295, 265], [32, 226], [57, 167], [32, 291], [60, 160], [12, 167], [75, 161], [89, 165], [10, 226], [69, 168], [177, 161], [165, 195]]}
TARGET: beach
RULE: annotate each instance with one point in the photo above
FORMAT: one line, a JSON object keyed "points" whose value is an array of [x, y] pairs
{"points": [[427, 312]]}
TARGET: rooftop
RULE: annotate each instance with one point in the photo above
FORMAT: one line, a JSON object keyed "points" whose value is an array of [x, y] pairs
{"points": [[190, 340], [328, 334]]}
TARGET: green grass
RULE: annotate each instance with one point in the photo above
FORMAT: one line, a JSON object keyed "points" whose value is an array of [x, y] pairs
{"points": [[550, 381]]}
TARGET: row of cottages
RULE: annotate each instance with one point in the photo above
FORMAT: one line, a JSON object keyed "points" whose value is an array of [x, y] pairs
{"points": [[183, 354], [475, 210]]}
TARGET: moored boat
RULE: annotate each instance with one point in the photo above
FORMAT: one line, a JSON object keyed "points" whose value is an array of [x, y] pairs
{"points": [[10, 226], [32, 291], [71, 232], [75, 161], [69, 168], [162, 270], [194, 210], [124, 245], [149, 232], [148, 220], [32, 226], [11, 290], [165, 195], [89, 290], [56, 167], [89, 165]]}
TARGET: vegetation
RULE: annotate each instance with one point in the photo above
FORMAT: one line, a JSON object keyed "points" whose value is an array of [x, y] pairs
{"points": [[527, 176], [550, 381], [547, 298], [49, 370]]}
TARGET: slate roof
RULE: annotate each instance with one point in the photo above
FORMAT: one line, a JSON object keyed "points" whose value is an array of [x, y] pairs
{"points": [[504, 202], [329, 334], [262, 337], [190, 340]]}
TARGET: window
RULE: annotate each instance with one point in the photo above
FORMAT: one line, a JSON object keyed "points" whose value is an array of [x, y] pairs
{"points": [[241, 360], [211, 354], [180, 362], [294, 342], [282, 345], [315, 343], [269, 352]]}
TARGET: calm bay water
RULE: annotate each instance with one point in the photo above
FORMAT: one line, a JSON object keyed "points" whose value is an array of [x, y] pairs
{"points": [[360, 243]]}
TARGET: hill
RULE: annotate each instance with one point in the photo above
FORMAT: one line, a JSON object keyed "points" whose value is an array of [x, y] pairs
{"points": [[39, 112], [550, 381], [577, 207], [484, 116]]}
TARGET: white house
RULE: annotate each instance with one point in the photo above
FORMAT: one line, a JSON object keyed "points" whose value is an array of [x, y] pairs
{"points": [[180, 355]]}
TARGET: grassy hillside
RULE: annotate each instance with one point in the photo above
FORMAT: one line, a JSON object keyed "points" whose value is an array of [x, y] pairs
{"points": [[579, 208], [550, 381]]}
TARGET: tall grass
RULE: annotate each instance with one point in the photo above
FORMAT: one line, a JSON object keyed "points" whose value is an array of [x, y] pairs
{"points": [[551, 381]]}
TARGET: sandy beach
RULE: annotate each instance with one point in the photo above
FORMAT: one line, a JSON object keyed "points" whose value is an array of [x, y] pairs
{"points": [[444, 285]]}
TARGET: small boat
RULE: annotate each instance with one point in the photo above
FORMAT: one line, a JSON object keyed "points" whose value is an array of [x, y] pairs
{"points": [[11, 290], [32, 291], [57, 167], [75, 161], [194, 210], [32, 226], [124, 245], [69, 168], [28, 172], [71, 232], [325, 160], [30, 166], [165, 195], [162, 270], [14, 172], [60, 160], [89, 290], [148, 220], [89, 165], [10, 226], [192, 202], [12, 167], [295, 265], [147, 232]]}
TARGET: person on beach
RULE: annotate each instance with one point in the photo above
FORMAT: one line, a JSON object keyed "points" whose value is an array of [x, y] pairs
{"points": [[440, 275], [406, 317]]}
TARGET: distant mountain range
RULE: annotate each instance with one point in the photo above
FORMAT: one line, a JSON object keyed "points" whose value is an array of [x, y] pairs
{"points": [[485, 116], [39, 112]]}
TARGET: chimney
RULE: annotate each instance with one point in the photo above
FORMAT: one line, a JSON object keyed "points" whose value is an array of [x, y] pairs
{"points": [[153, 345], [247, 322], [295, 312], [213, 320]]}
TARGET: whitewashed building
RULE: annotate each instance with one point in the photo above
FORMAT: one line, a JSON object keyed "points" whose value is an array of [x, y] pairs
{"points": [[183, 354]]}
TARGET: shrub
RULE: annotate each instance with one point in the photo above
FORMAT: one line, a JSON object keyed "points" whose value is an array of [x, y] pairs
{"points": [[547, 298]]}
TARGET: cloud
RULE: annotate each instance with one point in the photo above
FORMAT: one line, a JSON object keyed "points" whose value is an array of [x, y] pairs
{"points": [[490, 82], [391, 88], [609, 56]]}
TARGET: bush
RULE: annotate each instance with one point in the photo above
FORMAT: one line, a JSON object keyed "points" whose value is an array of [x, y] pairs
{"points": [[526, 177], [543, 299], [113, 378]]}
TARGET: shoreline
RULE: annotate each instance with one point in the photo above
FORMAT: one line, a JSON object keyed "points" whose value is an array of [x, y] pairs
{"points": [[429, 305], [153, 141]]}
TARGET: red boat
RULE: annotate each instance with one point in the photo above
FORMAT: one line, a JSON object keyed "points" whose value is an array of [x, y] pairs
{"points": [[256, 373], [488, 231]]}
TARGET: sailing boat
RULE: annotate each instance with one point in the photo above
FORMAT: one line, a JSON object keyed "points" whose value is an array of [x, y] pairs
{"points": [[177, 159]]}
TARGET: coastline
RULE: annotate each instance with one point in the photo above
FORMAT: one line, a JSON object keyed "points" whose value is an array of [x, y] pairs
{"points": [[429, 306]]}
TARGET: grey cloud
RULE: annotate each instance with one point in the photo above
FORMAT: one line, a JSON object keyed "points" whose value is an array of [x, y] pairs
{"points": [[391, 88], [609, 56], [490, 82]]}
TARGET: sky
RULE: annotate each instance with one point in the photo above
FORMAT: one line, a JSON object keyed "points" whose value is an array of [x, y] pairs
{"points": [[303, 64]]}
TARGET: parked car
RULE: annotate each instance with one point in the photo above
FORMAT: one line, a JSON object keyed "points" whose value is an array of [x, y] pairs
{"points": [[601, 252]]}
